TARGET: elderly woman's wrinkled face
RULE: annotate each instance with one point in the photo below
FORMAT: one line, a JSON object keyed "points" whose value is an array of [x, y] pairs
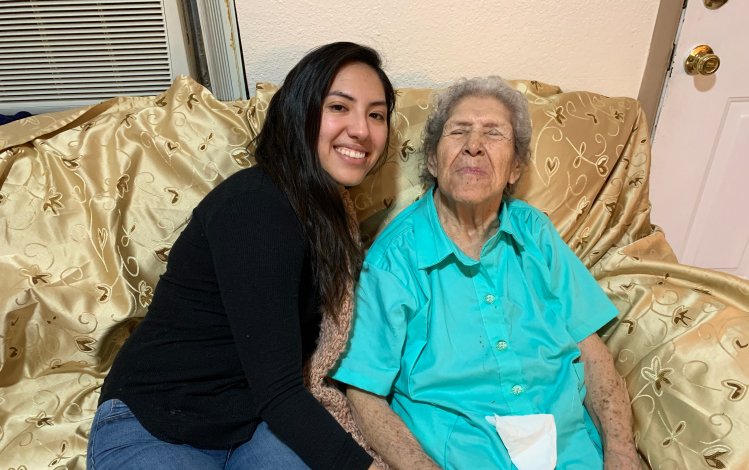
{"points": [[475, 158]]}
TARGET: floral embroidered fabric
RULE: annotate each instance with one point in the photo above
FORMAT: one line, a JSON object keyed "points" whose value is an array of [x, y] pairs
{"points": [[92, 199]]}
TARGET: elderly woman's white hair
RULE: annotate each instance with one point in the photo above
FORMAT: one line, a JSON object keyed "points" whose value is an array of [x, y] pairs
{"points": [[492, 87]]}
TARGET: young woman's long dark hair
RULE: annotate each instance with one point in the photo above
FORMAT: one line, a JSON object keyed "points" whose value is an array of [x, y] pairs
{"points": [[286, 149]]}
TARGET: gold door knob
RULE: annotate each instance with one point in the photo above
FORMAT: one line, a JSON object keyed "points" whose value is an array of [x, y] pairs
{"points": [[714, 4], [701, 61]]}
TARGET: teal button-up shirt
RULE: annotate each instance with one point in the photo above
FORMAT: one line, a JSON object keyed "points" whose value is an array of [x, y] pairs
{"points": [[450, 340]]}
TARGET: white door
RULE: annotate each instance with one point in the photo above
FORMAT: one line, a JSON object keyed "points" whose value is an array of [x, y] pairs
{"points": [[700, 170]]}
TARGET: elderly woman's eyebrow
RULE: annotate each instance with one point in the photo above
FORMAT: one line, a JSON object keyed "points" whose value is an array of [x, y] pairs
{"points": [[459, 123], [493, 124], [351, 98]]}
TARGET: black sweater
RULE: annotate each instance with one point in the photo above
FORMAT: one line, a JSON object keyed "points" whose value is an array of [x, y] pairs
{"points": [[232, 320]]}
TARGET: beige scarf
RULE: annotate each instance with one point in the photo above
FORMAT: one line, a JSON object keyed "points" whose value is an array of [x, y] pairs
{"points": [[330, 345]]}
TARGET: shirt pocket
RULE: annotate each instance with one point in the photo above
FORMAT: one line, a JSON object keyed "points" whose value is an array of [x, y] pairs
{"points": [[468, 447], [515, 316]]}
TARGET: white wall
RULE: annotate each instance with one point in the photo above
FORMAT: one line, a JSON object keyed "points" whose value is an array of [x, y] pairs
{"points": [[594, 45]]}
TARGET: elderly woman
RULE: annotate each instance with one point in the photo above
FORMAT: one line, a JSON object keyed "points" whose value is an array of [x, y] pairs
{"points": [[475, 322]]}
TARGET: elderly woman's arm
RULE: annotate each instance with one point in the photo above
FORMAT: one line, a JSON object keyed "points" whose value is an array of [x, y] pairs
{"points": [[609, 400], [386, 432]]}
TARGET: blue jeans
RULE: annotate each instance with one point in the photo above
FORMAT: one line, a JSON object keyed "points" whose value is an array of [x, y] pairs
{"points": [[119, 442]]}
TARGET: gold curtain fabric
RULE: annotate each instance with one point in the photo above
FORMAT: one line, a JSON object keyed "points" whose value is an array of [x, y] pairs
{"points": [[92, 199]]}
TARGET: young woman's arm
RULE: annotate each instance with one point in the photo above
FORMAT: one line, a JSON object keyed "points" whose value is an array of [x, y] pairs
{"points": [[259, 249]]}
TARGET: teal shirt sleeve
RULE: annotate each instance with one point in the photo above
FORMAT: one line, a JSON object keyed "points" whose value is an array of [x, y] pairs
{"points": [[372, 357], [583, 304]]}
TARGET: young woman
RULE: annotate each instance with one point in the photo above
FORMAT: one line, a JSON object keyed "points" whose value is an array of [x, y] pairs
{"points": [[212, 378]]}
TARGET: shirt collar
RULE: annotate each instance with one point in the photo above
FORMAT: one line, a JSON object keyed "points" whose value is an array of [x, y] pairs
{"points": [[432, 243], [505, 224]]}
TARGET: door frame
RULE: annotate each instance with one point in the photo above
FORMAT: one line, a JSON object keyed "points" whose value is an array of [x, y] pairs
{"points": [[660, 58]]}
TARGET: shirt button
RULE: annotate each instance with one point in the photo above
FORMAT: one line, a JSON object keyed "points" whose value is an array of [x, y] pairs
{"points": [[517, 390], [501, 345], [489, 298]]}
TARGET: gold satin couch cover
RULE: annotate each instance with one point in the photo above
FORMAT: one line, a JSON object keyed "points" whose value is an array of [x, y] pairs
{"points": [[92, 199]]}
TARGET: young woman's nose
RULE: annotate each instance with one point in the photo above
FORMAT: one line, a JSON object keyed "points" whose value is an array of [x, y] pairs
{"points": [[358, 128]]}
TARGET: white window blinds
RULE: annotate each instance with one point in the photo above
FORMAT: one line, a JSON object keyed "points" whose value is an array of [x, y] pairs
{"points": [[59, 54]]}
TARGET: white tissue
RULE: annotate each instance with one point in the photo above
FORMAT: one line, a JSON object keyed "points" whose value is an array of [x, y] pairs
{"points": [[531, 440]]}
